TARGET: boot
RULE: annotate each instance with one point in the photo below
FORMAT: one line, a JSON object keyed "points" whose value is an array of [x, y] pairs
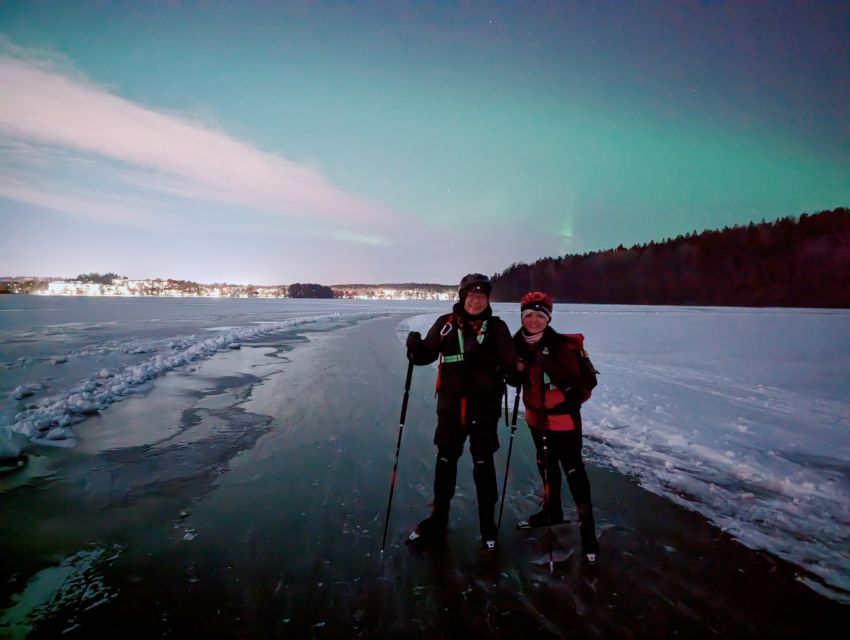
{"points": [[541, 518], [445, 474], [551, 511], [488, 526], [484, 474], [587, 529], [432, 527]]}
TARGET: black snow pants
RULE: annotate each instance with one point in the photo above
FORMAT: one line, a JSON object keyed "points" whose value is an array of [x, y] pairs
{"points": [[478, 420]]}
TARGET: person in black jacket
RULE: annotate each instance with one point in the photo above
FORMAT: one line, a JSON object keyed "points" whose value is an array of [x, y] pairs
{"points": [[476, 352]]}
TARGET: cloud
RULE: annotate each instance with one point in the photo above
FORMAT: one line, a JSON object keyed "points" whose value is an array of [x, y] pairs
{"points": [[44, 103], [82, 203], [360, 238]]}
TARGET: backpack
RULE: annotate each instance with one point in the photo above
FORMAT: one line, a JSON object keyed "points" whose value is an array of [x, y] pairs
{"points": [[575, 342]]}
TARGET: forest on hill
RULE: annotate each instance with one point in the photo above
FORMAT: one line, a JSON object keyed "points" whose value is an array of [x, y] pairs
{"points": [[791, 262]]}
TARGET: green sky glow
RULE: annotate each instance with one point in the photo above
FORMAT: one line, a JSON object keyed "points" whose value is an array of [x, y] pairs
{"points": [[480, 135]]}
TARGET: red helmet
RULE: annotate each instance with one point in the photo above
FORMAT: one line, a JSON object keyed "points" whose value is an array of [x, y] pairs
{"points": [[538, 301]]}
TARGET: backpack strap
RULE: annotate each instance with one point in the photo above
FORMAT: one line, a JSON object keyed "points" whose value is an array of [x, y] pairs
{"points": [[447, 328], [575, 343]]}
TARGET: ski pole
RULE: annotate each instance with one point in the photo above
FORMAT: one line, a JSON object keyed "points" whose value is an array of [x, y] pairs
{"points": [[397, 448], [510, 449], [546, 496]]}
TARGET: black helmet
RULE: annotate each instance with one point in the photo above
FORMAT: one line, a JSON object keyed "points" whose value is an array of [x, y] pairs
{"points": [[474, 282]]}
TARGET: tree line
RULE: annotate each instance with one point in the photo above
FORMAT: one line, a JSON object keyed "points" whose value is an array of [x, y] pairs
{"points": [[309, 290], [791, 262], [99, 278]]}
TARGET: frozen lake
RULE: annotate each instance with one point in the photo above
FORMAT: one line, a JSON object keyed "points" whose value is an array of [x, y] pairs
{"points": [[738, 415]]}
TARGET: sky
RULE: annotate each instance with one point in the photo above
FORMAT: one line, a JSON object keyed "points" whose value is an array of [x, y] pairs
{"points": [[375, 142]]}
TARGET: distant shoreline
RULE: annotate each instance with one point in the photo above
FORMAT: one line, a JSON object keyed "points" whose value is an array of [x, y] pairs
{"points": [[435, 299], [170, 288]]}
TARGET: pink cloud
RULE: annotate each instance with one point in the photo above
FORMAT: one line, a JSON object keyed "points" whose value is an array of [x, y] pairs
{"points": [[85, 204], [43, 104]]}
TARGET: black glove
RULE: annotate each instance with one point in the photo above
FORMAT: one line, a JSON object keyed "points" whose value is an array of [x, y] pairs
{"points": [[514, 378], [571, 403], [414, 340]]}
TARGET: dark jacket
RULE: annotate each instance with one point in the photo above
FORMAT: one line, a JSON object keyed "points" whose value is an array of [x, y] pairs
{"points": [[485, 363], [556, 405]]}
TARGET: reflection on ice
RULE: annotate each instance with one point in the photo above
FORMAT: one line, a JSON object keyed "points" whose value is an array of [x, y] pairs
{"points": [[50, 421], [74, 581]]}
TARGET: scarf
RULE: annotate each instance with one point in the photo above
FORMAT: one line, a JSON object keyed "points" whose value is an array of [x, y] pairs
{"points": [[532, 339]]}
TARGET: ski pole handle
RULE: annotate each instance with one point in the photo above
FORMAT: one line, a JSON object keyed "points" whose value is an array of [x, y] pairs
{"points": [[516, 407]]}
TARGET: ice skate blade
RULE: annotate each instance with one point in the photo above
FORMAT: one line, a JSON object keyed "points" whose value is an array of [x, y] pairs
{"points": [[524, 525]]}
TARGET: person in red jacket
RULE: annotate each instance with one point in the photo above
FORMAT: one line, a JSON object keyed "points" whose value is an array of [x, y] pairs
{"points": [[476, 353], [557, 377]]}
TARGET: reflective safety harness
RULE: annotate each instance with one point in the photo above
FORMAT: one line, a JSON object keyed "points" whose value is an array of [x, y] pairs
{"points": [[458, 357]]}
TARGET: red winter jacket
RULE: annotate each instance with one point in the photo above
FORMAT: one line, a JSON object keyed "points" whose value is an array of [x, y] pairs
{"points": [[570, 379]]}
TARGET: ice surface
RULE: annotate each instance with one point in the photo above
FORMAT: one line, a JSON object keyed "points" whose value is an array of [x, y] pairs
{"points": [[740, 415], [74, 581], [47, 409]]}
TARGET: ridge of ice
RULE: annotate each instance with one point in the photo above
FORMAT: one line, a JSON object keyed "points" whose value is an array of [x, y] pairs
{"points": [[50, 421]]}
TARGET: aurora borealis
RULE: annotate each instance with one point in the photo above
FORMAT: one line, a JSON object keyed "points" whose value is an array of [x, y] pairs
{"points": [[393, 141]]}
